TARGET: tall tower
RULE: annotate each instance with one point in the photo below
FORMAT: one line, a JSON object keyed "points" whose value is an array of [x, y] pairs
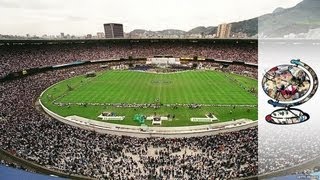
{"points": [[224, 31], [113, 30]]}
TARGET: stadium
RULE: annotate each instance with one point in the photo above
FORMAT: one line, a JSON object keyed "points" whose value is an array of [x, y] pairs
{"points": [[131, 108]]}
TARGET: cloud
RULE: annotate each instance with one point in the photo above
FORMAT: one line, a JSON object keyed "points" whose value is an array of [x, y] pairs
{"points": [[75, 18], [28, 4], [9, 4], [83, 16]]}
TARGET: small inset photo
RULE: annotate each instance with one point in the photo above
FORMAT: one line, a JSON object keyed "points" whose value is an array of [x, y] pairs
{"points": [[288, 86]]}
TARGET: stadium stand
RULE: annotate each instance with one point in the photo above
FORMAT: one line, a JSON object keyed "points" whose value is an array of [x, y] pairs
{"points": [[18, 56], [28, 133], [292, 151]]}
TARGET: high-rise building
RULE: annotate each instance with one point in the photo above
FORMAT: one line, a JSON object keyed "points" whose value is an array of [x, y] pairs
{"points": [[113, 30], [224, 30]]}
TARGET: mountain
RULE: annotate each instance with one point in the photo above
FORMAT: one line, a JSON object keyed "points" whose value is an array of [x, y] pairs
{"points": [[278, 10], [204, 30], [298, 19], [166, 32], [250, 27]]}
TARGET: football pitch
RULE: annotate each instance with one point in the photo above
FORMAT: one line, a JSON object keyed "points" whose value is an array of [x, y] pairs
{"points": [[227, 96]]}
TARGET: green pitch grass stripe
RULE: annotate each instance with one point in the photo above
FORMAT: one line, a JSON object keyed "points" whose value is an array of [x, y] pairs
{"points": [[198, 87], [125, 86]]}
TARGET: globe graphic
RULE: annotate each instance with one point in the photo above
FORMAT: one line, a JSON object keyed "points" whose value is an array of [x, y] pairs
{"points": [[286, 83], [289, 85]]}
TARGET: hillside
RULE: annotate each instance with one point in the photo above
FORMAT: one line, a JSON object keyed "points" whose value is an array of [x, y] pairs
{"points": [[298, 19], [301, 18]]}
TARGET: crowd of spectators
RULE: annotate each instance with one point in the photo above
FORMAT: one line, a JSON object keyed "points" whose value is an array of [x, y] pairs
{"points": [[32, 135], [18, 57], [249, 71], [283, 147]]}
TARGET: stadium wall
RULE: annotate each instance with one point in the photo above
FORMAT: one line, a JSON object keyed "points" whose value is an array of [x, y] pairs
{"points": [[137, 131]]}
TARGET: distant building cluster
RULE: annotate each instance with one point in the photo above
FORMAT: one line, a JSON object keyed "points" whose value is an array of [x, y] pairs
{"points": [[115, 30], [311, 34]]}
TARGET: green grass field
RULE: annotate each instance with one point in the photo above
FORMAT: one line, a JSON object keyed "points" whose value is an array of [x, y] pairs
{"points": [[201, 87]]}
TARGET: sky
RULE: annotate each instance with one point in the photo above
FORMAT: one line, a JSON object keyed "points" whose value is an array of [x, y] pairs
{"points": [[80, 17]]}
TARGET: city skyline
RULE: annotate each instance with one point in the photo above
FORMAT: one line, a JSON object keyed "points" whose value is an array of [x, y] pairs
{"points": [[73, 17]]}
